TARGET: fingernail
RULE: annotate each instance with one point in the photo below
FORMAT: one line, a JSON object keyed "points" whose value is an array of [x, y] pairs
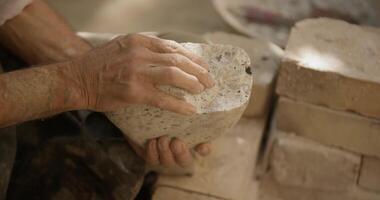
{"points": [[178, 147], [191, 110], [201, 88], [205, 65], [163, 143], [210, 82], [205, 151]]}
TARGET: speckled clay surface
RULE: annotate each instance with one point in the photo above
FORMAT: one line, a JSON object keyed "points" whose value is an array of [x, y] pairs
{"points": [[218, 108]]}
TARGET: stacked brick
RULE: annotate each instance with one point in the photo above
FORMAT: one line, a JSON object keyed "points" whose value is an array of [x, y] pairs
{"points": [[325, 133]]}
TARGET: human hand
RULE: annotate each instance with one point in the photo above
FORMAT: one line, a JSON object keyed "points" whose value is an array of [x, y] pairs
{"points": [[128, 70], [169, 152]]}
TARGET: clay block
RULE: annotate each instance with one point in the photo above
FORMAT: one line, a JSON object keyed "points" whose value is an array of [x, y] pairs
{"points": [[169, 193], [265, 61], [340, 129], [303, 163], [269, 189], [333, 63], [370, 174], [228, 172], [218, 108]]}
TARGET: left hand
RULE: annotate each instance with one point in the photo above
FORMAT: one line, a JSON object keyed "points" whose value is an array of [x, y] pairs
{"points": [[169, 152]]}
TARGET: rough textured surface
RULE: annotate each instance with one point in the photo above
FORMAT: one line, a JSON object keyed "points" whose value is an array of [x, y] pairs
{"points": [[300, 162], [218, 108], [228, 172], [333, 63], [370, 174], [265, 60], [271, 190], [345, 130]]}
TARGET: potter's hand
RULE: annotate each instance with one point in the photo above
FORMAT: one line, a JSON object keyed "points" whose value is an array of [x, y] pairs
{"points": [[169, 152], [128, 70]]}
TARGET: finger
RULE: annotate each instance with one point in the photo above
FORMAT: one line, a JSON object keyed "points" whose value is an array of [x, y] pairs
{"points": [[170, 46], [181, 153], [152, 157], [165, 101], [165, 154], [203, 149], [185, 64], [175, 77]]}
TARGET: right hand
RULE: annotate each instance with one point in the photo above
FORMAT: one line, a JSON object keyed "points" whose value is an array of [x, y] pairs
{"points": [[128, 69]]}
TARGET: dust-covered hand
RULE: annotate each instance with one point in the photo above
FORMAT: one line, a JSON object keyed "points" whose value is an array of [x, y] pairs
{"points": [[128, 70]]}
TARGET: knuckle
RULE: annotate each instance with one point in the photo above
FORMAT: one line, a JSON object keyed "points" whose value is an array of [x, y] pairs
{"points": [[134, 53], [178, 59], [160, 102], [171, 73], [132, 92], [133, 38], [168, 46], [131, 72], [203, 72], [119, 38]]}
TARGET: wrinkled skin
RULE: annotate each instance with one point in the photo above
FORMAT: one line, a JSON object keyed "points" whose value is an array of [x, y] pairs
{"points": [[128, 70]]}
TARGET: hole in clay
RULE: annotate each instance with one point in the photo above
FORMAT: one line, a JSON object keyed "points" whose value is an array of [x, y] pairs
{"points": [[248, 70]]}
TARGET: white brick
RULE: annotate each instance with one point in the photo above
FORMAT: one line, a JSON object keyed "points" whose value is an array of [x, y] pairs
{"points": [[341, 129], [333, 63], [303, 163], [271, 190]]}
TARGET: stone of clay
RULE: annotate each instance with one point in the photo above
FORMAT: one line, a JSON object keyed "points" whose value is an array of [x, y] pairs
{"points": [[337, 128], [269, 189], [300, 162], [229, 171], [218, 108], [265, 60], [333, 63], [370, 174]]}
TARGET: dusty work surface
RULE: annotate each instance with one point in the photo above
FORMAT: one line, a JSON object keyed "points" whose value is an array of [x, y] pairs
{"points": [[228, 172]]}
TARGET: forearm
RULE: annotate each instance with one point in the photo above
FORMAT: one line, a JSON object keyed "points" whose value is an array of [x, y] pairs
{"points": [[39, 35], [38, 92]]}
